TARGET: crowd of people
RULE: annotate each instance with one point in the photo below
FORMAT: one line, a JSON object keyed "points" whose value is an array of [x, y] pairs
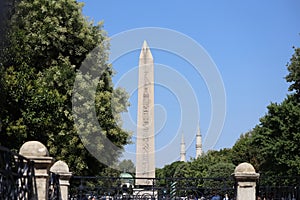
{"points": [[216, 197]]}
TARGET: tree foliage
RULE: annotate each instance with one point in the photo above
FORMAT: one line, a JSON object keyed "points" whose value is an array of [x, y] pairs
{"points": [[48, 41], [127, 165], [219, 176], [272, 147], [200, 167], [212, 171], [242, 151], [294, 73], [277, 137]]}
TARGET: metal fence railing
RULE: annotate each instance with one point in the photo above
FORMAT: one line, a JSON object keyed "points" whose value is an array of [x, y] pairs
{"points": [[278, 187], [17, 179], [110, 188], [54, 187]]}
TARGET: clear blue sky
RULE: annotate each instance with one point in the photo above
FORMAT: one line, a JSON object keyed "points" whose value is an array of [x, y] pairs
{"points": [[250, 43]]}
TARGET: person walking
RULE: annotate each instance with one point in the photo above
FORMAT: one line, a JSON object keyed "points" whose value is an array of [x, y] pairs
{"points": [[226, 197], [216, 197]]}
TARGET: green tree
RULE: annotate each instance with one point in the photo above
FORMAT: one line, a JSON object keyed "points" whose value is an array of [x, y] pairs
{"points": [[219, 177], [201, 165], [5, 12], [182, 170], [168, 171], [168, 174], [243, 152], [277, 137], [294, 73], [127, 165], [221, 170], [48, 42]]}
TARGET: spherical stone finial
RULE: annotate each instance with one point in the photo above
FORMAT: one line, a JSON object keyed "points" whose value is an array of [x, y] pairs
{"points": [[34, 149], [244, 168], [59, 166]]}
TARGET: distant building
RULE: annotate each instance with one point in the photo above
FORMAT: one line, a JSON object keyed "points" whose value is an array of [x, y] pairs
{"points": [[126, 180], [199, 150], [182, 150], [198, 143]]}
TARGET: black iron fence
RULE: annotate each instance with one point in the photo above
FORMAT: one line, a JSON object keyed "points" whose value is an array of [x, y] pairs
{"points": [[17, 182], [54, 187], [110, 188], [16, 176], [278, 187]]}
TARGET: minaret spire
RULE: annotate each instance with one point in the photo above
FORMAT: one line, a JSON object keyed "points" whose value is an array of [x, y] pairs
{"points": [[198, 143], [182, 149]]}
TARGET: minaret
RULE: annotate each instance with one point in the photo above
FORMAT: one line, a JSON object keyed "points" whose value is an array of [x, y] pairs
{"points": [[182, 149], [145, 149], [198, 143]]}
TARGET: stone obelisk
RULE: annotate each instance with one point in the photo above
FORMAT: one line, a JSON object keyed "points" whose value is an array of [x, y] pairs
{"points": [[145, 145]]}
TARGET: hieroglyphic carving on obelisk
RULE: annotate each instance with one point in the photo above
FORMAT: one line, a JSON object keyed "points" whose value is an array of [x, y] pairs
{"points": [[145, 145]]}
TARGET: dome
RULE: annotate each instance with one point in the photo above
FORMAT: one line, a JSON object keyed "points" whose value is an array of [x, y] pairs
{"points": [[59, 166], [33, 149], [126, 175], [126, 178], [244, 168]]}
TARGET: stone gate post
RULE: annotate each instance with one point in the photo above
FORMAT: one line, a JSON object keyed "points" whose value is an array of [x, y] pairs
{"points": [[38, 153], [245, 177], [62, 169]]}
